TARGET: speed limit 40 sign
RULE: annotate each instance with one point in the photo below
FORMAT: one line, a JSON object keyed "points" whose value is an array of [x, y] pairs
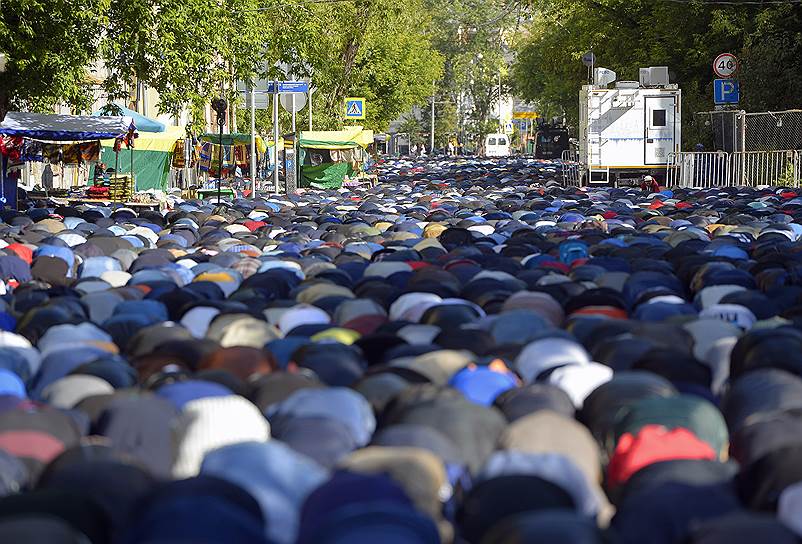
{"points": [[725, 65]]}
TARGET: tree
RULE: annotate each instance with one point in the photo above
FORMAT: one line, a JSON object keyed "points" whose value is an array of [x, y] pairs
{"points": [[379, 50], [772, 60], [50, 47], [628, 34], [472, 37], [486, 81], [412, 126], [446, 123], [188, 50], [372, 48]]}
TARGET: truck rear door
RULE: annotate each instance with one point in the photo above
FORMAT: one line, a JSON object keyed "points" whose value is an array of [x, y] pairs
{"points": [[660, 129]]}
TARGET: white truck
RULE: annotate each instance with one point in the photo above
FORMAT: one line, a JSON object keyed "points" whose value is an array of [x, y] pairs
{"points": [[628, 130]]}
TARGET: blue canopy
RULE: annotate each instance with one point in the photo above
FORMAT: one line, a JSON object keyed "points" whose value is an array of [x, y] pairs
{"points": [[44, 126], [143, 124]]}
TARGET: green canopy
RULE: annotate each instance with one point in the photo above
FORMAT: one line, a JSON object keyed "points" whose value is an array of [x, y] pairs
{"points": [[347, 138], [151, 168], [329, 175], [339, 150]]}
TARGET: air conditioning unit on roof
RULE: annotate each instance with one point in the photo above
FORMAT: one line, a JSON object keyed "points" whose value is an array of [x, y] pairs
{"points": [[654, 76]]}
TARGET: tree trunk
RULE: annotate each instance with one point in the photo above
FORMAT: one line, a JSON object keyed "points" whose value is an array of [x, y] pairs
{"points": [[348, 58]]}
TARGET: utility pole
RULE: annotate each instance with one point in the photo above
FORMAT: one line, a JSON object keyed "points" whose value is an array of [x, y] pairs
{"points": [[275, 134], [253, 141], [501, 127], [431, 149]]}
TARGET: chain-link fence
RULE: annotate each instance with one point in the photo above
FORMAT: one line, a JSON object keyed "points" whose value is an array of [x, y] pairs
{"points": [[723, 131], [772, 131], [734, 131]]}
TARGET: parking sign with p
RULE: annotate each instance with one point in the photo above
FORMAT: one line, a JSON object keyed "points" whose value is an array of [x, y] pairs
{"points": [[726, 91]]}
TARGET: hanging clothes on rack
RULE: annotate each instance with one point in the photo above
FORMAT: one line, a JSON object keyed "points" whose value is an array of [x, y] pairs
{"points": [[71, 154], [241, 156], [51, 153], [31, 151], [205, 157], [90, 151], [179, 160]]}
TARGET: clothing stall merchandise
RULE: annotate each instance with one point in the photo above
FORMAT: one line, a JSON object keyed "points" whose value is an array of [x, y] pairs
{"points": [[180, 155], [236, 153], [74, 135], [19, 149], [210, 158]]}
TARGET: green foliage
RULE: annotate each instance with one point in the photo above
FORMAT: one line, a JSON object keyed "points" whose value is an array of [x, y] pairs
{"points": [[379, 50], [50, 48], [472, 37], [413, 127], [628, 34], [188, 50], [446, 123], [772, 60], [191, 51]]}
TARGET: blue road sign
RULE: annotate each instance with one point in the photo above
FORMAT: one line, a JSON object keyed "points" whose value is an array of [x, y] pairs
{"points": [[726, 91], [354, 108], [289, 87]]}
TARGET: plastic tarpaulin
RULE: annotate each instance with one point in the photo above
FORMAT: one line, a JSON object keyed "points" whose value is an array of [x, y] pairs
{"points": [[151, 168], [329, 175], [142, 123], [153, 153], [336, 139], [63, 128]]}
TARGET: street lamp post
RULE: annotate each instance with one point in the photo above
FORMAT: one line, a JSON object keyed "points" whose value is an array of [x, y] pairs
{"points": [[220, 105]]}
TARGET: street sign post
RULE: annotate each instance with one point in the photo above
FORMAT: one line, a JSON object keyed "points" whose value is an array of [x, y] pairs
{"points": [[725, 66], [354, 108], [292, 96], [589, 60], [726, 91], [261, 101], [260, 86], [288, 87], [293, 102]]}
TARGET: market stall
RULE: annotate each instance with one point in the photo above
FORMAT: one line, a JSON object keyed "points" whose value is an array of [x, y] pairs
{"points": [[54, 139], [236, 153], [328, 158], [151, 157]]}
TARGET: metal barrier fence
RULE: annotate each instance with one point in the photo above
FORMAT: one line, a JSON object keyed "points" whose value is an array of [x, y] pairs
{"points": [[571, 169], [766, 168], [743, 168], [697, 169]]}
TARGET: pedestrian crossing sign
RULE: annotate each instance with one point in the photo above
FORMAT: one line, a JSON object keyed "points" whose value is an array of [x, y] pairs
{"points": [[354, 108]]}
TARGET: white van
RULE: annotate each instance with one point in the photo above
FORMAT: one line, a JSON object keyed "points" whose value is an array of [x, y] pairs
{"points": [[497, 145]]}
